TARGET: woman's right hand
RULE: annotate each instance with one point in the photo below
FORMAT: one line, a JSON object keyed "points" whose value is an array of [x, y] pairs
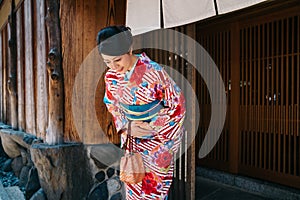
{"points": [[141, 129]]}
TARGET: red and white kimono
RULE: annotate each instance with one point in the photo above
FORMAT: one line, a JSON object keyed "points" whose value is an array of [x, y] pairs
{"points": [[147, 82]]}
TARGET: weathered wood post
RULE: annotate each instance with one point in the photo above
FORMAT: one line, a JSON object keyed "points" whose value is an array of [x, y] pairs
{"points": [[12, 81], [55, 129], [63, 168]]}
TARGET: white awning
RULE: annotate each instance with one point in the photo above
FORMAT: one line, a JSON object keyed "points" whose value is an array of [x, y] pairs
{"points": [[144, 15], [180, 12], [225, 6]]}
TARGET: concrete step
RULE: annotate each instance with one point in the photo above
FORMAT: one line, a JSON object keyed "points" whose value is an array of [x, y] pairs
{"points": [[3, 193], [14, 193], [11, 193]]}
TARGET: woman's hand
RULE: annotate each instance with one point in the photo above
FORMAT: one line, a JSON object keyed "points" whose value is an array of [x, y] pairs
{"points": [[140, 129]]}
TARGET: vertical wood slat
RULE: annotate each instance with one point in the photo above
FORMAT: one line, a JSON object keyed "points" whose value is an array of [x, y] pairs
{"points": [[298, 93], [264, 93], [286, 129], [7, 74], [41, 72], [292, 138], [259, 96], [282, 146], [1, 78], [235, 99], [277, 106], [191, 76], [29, 73], [255, 96], [269, 94], [4, 75], [273, 94], [294, 119], [20, 70]]}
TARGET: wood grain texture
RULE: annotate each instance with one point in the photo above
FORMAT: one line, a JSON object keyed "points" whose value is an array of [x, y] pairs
{"points": [[41, 79], [78, 40], [30, 110], [12, 81], [20, 70], [55, 130], [1, 79]]}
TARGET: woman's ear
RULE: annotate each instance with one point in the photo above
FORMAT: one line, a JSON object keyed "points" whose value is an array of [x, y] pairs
{"points": [[130, 51]]}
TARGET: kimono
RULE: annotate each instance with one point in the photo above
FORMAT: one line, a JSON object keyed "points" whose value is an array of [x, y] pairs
{"points": [[145, 83]]}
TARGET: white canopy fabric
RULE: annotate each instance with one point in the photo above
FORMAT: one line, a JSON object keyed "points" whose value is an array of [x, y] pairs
{"points": [[225, 6], [144, 15], [180, 12]]}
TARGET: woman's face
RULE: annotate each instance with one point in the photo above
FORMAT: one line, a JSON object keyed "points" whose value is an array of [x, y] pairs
{"points": [[120, 63]]}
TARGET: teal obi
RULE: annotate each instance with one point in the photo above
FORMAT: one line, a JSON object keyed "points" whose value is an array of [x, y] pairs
{"points": [[142, 112]]}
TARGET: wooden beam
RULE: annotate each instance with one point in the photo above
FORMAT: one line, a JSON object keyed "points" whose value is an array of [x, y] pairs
{"points": [[55, 130]]}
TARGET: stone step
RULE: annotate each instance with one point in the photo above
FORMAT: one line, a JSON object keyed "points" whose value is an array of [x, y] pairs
{"points": [[3, 193], [15, 193], [11, 193]]}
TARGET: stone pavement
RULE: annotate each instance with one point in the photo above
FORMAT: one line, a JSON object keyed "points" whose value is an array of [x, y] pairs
{"points": [[207, 189], [217, 185]]}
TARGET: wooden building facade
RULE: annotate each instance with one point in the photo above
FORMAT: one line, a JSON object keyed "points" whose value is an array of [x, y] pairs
{"points": [[257, 51]]}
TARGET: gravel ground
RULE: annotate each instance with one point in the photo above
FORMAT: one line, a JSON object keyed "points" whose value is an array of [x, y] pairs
{"points": [[7, 177]]}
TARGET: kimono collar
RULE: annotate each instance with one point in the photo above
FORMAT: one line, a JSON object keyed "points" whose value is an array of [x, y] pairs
{"points": [[129, 73]]}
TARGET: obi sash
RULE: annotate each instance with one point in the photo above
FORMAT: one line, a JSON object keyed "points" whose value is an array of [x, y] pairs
{"points": [[142, 112]]}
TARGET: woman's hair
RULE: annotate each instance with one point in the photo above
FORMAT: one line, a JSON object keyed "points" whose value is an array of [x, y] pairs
{"points": [[114, 40]]}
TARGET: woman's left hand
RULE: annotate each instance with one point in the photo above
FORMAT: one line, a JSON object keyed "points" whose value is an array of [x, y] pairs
{"points": [[140, 129]]}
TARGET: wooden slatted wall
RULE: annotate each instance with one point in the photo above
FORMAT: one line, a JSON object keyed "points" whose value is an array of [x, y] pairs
{"points": [[80, 22], [258, 58], [269, 99], [217, 43], [32, 82]]}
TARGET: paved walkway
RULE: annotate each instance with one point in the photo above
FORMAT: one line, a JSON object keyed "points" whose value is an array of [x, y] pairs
{"points": [[207, 189]]}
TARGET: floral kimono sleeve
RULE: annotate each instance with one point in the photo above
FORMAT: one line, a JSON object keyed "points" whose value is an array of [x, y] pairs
{"points": [[112, 106], [171, 118]]}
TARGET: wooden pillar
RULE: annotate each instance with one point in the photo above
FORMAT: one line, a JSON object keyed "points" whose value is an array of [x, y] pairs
{"points": [[235, 98], [12, 79], [56, 79], [191, 153]]}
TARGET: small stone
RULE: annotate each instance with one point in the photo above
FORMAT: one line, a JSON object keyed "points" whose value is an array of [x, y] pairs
{"points": [[113, 185], [24, 176], [33, 184], [117, 196], [6, 166], [100, 192], [100, 176], [17, 165], [39, 195], [110, 172]]}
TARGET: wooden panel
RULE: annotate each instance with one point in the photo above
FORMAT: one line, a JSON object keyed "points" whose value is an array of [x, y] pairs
{"points": [[20, 70], [275, 99], [78, 40], [29, 73], [41, 72]]}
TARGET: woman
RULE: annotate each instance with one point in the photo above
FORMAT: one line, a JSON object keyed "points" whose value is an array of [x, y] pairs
{"points": [[134, 83]]}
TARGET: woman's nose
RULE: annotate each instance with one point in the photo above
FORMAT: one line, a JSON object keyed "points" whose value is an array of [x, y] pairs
{"points": [[113, 65]]}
